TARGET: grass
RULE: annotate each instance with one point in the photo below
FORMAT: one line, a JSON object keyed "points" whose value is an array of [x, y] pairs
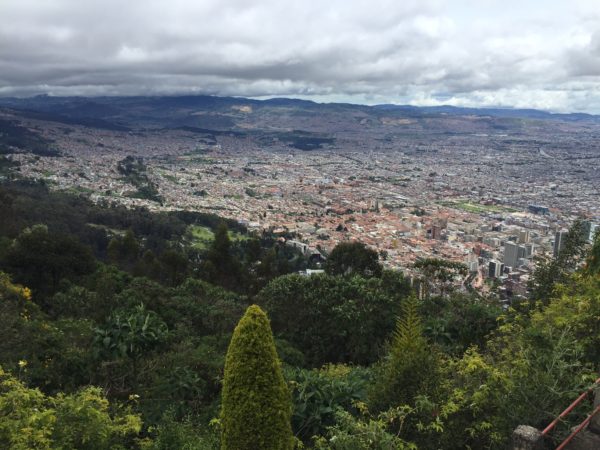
{"points": [[203, 236], [476, 208]]}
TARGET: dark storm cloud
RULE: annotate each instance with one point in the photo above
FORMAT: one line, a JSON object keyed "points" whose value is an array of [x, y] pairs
{"points": [[422, 52]]}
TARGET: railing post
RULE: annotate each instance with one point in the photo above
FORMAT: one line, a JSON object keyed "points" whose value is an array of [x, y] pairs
{"points": [[594, 425], [528, 438]]}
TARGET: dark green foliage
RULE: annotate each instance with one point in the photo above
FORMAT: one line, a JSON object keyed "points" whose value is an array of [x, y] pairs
{"points": [[124, 250], [334, 319], [353, 258], [130, 334], [304, 140], [256, 406], [318, 394], [185, 435], [289, 354], [57, 352], [410, 366], [40, 259], [134, 172], [552, 271], [221, 266], [459, 321], [17, 138], [274, 259], [174, 267]]}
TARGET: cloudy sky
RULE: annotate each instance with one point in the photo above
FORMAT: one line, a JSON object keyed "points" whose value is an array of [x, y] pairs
{"points": [[525, 53]]}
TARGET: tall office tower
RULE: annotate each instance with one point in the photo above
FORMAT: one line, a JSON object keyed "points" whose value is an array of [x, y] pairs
{"points": [[530, 250], [523, 237], [559, 241], [511, 254], [494, 269]]}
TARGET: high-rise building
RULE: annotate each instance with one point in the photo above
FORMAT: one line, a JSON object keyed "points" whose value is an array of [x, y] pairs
{"points": [[523, 236], [529, 250], [559, 241], [513, 253], [494, 269]]}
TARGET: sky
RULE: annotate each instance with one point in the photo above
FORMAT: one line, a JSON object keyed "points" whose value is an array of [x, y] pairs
{"points": [[523, 54]]}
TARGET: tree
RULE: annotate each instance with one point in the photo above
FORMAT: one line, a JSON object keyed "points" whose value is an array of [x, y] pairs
{"points": [[411, 365], [440, 272], [459, 321], [175, 266], [552, 271], [124, 250], [40, 259], [353, 258], [220, 265], [592, 263], [334, 319], [256, 406]]}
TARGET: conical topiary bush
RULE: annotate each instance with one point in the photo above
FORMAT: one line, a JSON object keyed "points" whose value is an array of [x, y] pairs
{"points": [[256, 404]]}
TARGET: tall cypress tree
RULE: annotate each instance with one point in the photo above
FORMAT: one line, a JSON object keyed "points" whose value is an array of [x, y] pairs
{"points": [[256, 405]]}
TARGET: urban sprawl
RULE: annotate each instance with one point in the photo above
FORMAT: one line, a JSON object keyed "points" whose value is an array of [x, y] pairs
{"points": [[492, 201]]}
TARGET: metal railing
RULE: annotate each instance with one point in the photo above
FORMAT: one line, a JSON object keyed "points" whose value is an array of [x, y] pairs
{"points": [[570, 408]]}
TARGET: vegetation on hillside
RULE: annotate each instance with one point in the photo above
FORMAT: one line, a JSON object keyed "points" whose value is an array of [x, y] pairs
{"points": [[115, 331]]}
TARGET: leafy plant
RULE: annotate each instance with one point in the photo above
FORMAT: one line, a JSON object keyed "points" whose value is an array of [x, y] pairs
{"points": [[318, 394]]}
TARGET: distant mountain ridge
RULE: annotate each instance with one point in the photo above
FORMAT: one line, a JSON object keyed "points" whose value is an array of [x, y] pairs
{"points": [[494, 112], [102, 107], [277, 122]]}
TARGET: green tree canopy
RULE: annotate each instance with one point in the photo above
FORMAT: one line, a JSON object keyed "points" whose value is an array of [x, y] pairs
{"points": [[40, 259], [353, 258], [335, 319], [439, 273], [552, 271], [221, 266]]}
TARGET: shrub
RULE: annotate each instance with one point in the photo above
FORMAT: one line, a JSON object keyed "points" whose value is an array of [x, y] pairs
{"points": [[256, 405]]}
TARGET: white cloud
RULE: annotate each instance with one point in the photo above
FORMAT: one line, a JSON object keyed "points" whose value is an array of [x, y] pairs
{"points": [[543, 54]]}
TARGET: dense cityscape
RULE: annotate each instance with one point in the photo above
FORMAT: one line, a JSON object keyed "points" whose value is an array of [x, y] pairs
{"points": [[492, 200]]}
